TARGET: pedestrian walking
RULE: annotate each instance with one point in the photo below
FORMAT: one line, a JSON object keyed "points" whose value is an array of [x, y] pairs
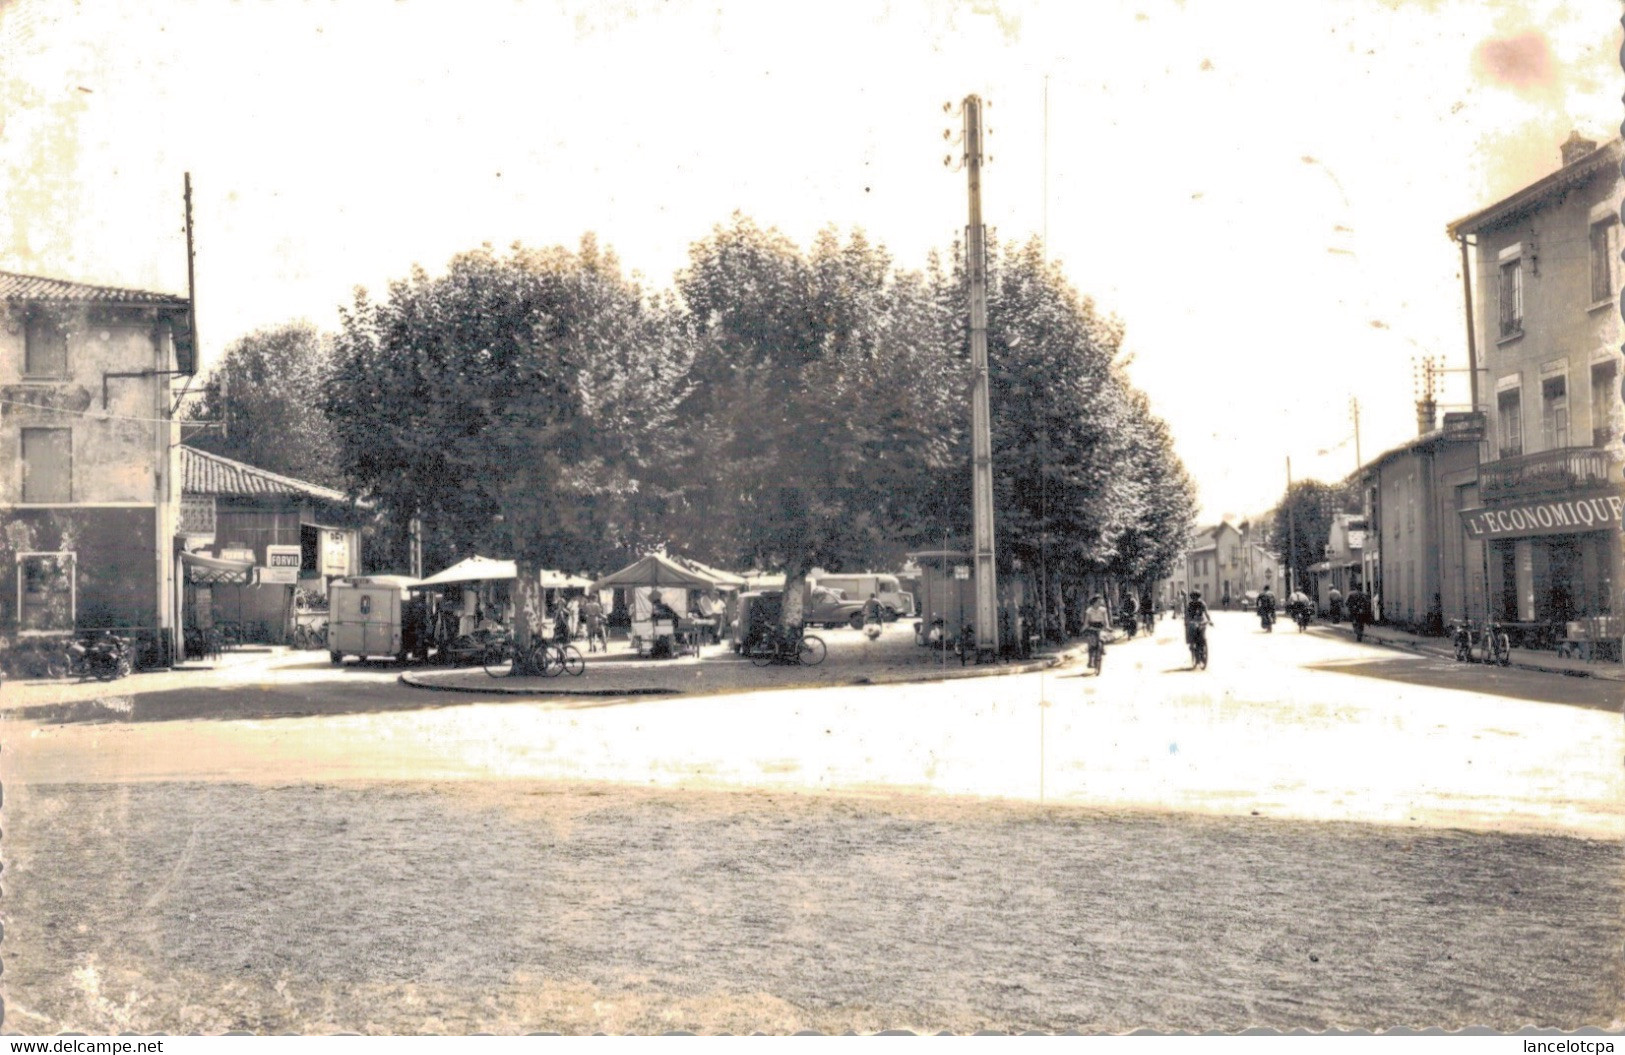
{"points": [[592, 615], [1334, 601], [1359, 606]]}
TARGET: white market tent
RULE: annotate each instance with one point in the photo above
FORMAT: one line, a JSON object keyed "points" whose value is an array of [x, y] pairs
{"points": [[487, 569], [655, 569]]}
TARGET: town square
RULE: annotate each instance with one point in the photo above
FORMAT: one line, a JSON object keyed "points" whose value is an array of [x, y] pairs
{"points": [[608, 520]]}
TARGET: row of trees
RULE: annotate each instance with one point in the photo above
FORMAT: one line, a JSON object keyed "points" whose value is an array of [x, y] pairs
{"points": [[778, 408]]}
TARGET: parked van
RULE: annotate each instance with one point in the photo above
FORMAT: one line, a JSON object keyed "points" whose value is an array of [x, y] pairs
{"points": [[374, 615], [894, 600]]}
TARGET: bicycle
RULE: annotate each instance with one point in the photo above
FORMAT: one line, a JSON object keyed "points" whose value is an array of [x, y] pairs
{"points": [[497, 657], [1196, 638], [552, 658], [1482, 644], [785, 647], [307, 637], [1097, 647]]}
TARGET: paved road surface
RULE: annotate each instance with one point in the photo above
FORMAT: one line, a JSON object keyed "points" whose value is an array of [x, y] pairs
{"points": [[1309, 834]]}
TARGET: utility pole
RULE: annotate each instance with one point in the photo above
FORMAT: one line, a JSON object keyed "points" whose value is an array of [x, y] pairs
{"points": [[987, 622], [1291, 531]]}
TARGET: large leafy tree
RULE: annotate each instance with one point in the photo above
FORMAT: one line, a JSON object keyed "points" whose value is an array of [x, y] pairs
{"points": [[263, 403], [509, 404], [815, 378], [1301, 523]]}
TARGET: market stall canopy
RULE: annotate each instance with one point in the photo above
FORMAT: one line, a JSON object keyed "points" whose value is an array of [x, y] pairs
{"points": [[487, 569], [657, 570], [558, 580], [473, 569], [725, 579], [214, 571]]}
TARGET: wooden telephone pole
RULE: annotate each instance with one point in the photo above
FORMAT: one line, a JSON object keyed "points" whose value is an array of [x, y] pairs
{"points": [[987, 620]]}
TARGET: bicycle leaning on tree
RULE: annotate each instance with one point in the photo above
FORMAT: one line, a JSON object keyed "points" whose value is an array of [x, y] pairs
{"points": [[792, 647]]}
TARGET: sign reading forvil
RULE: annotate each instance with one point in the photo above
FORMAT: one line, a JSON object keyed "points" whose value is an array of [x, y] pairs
{"points": [[281, 565], [1544, 518]]}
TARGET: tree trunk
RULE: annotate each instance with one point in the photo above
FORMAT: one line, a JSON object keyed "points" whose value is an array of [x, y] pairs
{"points": [[794, 585], [529, 613]]}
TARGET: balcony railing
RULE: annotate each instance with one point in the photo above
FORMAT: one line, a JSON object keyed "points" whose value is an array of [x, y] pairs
{"points": [[1543, 472]]}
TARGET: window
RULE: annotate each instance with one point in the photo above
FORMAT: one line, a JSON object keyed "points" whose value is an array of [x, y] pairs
{"points": [[1509, 422], [1554, 411], [1604, 259], [47, 465], [1604, 400], [45, 348], [1511, 298], [46, 592]]}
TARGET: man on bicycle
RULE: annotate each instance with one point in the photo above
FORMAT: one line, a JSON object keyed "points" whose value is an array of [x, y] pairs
{"points": [[1095, 620], [1266, 607], [1197, 620], [1298, 605]]}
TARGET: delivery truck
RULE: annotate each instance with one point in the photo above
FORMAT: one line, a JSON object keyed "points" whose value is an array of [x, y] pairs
{"points": [[375, 616]]}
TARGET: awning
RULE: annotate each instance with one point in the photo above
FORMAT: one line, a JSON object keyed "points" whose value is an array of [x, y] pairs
{"points": [[474, 569], [724, 579], [657, 570], [214, 571], [487, 569]]}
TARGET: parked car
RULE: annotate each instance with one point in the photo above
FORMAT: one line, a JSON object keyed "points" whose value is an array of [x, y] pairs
{"points": [[821, 607], [830, 609]]}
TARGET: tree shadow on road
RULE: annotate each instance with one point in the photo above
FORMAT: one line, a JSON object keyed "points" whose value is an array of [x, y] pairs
{"points": [[253, 703], [1596, 694]]}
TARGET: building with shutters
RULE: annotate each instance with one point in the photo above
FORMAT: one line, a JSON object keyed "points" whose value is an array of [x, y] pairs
{"points": [[1542, 518], [89, 493]]}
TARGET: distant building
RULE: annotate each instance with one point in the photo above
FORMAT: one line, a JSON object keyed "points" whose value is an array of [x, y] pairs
{"points": [[1343, 568], [89, 492], [1213, 564], [1415, 557], [1543, 517]]}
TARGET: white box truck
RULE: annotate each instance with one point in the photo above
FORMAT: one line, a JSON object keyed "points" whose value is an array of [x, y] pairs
{"points": [[894, 600], [367, 615]]}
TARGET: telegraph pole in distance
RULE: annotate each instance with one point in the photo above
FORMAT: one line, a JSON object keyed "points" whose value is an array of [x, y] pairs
{"points": [[987, 622], [1291, 531]]}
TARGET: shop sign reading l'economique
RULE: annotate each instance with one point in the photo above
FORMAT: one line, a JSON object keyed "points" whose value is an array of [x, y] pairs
{"points": [[1545, 518]]}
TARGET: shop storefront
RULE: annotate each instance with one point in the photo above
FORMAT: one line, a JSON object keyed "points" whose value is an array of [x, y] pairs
{"points": [[1550, 561]]}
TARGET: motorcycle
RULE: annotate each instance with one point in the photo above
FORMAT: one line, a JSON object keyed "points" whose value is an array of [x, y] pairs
{"points": [[107, 658]]}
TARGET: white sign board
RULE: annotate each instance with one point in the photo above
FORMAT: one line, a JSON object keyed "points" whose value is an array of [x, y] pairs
{"points": [[961, 571], [335, 552], [281, 565], [243, 555]]}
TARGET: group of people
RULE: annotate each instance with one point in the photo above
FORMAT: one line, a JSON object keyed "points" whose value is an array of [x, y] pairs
{"points": [[1357, 603]]}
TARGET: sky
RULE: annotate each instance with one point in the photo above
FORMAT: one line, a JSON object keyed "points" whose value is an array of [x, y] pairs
{"points": [[1259, 191]]}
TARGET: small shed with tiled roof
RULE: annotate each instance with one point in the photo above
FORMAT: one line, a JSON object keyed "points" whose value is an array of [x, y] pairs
{"points": [[297, 533]]}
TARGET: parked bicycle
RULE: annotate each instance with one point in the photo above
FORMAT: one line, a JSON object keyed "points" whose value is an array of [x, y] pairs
{"points": [[796, 648], [1481, 643], [310, 635], [500, 655], [552, 658]]}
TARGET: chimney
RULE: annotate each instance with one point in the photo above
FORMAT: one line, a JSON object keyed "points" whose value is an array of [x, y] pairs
{"points": [[1426, 413], [1576, 147]]}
